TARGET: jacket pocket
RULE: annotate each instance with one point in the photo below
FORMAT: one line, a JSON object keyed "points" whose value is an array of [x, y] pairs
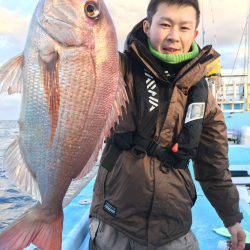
{"points": [[104, 183], [189, 184], [117, 179], [113, 175]]}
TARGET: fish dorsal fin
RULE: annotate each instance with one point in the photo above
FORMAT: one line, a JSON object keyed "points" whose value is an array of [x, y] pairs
{"points": [[18, 171], [118, 109], [11, 75]]}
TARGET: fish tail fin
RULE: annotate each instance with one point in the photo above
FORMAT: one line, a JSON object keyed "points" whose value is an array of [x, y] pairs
{"points": [[34, 227]]}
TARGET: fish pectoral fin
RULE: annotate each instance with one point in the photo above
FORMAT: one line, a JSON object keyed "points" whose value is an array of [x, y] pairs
{"points": [[36, 226], [11, 75], [18, 171], [49, 64]]}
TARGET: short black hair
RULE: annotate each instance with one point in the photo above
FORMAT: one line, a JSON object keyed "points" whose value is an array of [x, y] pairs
{"points": [[153, 5]]}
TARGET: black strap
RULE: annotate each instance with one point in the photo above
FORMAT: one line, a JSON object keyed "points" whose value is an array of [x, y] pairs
{"points": [[140, 146]]}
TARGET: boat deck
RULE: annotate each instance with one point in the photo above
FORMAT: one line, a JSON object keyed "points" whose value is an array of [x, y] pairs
{"points": [[205, 219]]}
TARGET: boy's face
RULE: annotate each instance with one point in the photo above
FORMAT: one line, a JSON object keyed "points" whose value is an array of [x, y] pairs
{"points": [[173, 28]]}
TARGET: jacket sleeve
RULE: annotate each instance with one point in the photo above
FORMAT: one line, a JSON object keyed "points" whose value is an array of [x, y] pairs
{"points": [[211, 166], [189, 136]]}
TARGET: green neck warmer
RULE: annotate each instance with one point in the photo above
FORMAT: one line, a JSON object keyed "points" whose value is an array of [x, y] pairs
{"points": [[174, 59]]}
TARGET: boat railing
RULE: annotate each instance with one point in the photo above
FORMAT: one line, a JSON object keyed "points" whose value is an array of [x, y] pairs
{"points": [[232, 93]]}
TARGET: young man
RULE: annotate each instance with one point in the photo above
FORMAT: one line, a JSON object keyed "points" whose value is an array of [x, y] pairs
{"points": [[144, 192]]}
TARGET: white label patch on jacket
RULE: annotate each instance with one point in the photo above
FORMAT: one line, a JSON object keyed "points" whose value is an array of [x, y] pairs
{"points": [[109, 208], [195, 111], [151, 85]]}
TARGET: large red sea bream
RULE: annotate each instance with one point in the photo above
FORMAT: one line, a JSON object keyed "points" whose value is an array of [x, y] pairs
{"points": [[72, 94]]}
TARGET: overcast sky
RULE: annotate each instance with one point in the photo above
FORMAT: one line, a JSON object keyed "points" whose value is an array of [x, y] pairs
{"points": [[224, 21]]}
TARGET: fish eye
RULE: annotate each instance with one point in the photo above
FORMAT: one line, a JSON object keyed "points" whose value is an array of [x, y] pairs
{"points": [[92, 10]]}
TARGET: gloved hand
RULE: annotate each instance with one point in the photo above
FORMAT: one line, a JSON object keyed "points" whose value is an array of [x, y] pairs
{"points": [[170, 159]]}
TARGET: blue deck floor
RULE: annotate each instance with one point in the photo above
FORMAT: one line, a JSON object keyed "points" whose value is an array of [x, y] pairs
{"points": [[75, 227]]}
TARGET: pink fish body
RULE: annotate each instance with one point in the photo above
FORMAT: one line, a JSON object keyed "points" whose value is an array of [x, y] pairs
{"points": [[72, 94]]}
